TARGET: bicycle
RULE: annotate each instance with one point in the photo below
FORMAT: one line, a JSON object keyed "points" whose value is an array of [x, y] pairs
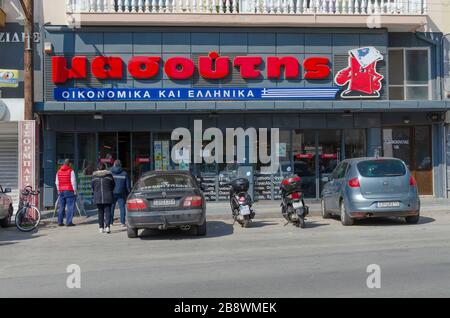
{"points": [[28, 217]]}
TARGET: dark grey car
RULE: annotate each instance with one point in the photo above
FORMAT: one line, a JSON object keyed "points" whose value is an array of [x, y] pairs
{"points": [[371, 187], [166, 200]]}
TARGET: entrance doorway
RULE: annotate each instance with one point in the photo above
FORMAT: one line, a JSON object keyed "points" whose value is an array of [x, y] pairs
{"points": [[124, 150], [413, 146]]}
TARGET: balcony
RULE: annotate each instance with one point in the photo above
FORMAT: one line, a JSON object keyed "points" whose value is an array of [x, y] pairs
{"points": [[397, 14]]}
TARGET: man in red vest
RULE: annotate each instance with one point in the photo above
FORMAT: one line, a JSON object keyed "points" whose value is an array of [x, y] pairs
{"points": [[66, 184]]}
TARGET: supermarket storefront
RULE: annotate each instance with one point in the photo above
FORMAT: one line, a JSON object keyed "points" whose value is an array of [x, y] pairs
{"points": [[119, 94]]}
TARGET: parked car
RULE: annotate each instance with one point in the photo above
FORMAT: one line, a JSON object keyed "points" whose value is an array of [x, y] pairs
{"points": [[166, 200], [6, 207], [371, 187]]}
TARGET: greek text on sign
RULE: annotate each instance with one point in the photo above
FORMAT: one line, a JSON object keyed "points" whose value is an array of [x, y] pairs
{"points": [[194, 94]]}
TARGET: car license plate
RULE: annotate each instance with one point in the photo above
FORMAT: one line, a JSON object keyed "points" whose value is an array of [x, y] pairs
{"points": [[245, 210], [297, 205], [168, 202], [395, 204]]}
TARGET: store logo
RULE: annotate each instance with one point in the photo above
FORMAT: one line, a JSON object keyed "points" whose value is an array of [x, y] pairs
{"points": [[361, 76], [212, 67]]}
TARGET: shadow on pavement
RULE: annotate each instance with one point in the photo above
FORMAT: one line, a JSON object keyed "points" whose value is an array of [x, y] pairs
{"points": [[314, 224], [11, 235], [260, 224], [215, 229], [391, 221]]}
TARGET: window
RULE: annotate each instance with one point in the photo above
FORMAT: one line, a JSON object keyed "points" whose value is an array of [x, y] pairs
{"points": [[340, 171], [169, 182], [355, 143], [409, 74], [381, 168]]}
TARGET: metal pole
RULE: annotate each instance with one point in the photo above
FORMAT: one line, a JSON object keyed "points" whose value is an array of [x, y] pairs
{"points": [[27, 6]]}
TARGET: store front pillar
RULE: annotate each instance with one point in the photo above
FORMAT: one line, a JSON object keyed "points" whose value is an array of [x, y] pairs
{"points": [[49, 156]]}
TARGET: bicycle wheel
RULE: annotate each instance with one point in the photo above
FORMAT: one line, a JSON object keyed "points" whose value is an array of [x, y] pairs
{"points": [[28, 219]]}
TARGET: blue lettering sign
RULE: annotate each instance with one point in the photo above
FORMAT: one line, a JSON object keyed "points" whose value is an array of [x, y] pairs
{"points": [[192, 94]]}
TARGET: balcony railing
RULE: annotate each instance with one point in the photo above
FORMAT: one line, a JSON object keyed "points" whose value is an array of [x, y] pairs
{"points": [[222, 7]]}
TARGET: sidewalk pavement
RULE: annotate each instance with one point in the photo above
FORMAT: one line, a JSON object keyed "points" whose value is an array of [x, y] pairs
{"points": [[264, 210]]}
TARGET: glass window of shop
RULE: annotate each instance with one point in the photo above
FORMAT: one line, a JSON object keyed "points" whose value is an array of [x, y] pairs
{"points": [[355, 143], [311, 154], [161, 152], [304, 145], [330, 146], [86, 165], [107, 149], [409, 74], [65, 149], [141, 154]]}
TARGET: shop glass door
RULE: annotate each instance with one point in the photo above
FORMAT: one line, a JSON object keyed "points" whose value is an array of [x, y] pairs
{"points": [[423, 167], [413, 146]]}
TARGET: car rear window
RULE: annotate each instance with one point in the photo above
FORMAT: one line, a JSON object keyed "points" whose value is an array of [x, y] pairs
{"points": [[381, 168], [165, 183]]}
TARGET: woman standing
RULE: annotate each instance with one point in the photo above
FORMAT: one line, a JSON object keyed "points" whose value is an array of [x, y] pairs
{"points": [[103, 187]]}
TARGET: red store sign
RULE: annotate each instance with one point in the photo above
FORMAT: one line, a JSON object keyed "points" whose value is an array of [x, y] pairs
{"points": [[27, 154], [212, 66]]}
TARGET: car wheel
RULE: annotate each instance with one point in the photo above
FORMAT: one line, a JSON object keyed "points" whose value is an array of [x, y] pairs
{"points": [[412, 219], [202, 229], [346, 220], [132, 232], [325, 214]]}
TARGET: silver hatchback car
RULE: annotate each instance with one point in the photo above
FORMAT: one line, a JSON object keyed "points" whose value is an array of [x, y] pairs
{"points": [[371, 187]]}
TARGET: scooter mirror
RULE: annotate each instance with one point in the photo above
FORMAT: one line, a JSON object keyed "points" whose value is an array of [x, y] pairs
{"points": [[289, 169]]}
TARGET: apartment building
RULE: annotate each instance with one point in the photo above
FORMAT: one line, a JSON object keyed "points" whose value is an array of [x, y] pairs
{"points": [[338, 78]]}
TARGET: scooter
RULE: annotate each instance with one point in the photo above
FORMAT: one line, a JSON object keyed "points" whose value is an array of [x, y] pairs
{"points": [[241, 202], [293, 205]]}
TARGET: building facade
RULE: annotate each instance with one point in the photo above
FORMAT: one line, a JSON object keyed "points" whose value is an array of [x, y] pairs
{"points": [[339, 79], [11, 96]]}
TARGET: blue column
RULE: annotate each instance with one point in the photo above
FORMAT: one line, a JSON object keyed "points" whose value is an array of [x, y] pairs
{"points": [[49, 158]]}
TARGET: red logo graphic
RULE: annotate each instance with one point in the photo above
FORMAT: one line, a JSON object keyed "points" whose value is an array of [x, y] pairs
{"points": [[361, 74]]}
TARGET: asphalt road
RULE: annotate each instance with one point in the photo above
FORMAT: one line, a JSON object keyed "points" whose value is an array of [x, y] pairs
{"points": [[267, 260]]}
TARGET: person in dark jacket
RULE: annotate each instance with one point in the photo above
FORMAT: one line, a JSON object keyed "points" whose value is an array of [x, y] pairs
{"points": [[121, 191], [103, 187]]}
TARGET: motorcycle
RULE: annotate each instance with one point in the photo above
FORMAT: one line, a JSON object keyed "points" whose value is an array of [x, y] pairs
{"points": [[241, 202], [293, 205]]}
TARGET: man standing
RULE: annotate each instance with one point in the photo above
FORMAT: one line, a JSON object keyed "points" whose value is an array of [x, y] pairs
{"points": [[121, 190], [66, 184]]}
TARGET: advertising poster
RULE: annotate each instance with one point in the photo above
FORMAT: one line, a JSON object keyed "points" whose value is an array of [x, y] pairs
{"points": [[9, 78], [158, 155]]}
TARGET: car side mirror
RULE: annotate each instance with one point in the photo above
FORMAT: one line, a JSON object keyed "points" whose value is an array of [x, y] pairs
{"points": [[7, 190]]}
